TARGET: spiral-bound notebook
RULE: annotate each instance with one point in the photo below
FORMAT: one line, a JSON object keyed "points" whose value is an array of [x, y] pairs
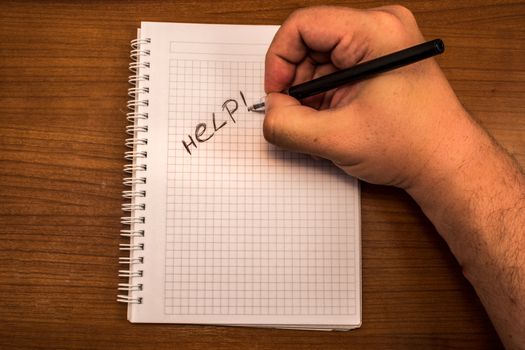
{"points": [[223, 227]]}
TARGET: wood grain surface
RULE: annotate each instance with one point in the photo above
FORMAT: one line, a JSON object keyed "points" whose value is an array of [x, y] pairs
{"points": [[63, 92]]}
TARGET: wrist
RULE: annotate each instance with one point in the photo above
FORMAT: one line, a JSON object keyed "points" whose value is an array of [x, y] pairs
{"points": [[468, 182]]}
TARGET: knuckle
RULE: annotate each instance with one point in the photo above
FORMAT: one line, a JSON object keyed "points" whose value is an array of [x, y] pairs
{"points": [[390, 21], [399, 22], [297, 15], [401, 12]]}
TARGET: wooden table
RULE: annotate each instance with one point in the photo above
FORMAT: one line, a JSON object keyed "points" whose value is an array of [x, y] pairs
{"points": [[63, 93]]}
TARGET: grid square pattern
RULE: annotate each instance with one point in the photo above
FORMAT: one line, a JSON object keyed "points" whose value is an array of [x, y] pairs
{"points": [[251, 229]]}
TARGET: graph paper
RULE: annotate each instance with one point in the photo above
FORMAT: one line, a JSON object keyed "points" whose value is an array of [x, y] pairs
{"points": [[254, 234]]}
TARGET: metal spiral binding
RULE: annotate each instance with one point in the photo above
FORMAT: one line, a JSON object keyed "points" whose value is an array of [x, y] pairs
{"points": [[136, 179]]}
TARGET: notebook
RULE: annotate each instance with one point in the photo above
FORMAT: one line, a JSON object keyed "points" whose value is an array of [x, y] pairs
{"points": [[221, 227]]}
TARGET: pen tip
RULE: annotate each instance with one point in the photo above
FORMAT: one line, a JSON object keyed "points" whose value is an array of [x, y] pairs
{"points": [[256, 107]]}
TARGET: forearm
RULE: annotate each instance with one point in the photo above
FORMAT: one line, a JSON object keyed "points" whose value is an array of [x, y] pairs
{"points": [[476, 199]]}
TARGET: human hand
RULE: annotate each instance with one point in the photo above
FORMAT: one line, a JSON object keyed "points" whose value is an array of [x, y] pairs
{"points": [[405, 128], [390, 129]]}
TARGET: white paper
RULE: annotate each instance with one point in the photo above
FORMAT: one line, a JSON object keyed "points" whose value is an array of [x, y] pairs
{"points": [[237, 231]]}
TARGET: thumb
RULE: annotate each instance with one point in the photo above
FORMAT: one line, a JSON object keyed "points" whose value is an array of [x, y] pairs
{"points": [[296, 127]]}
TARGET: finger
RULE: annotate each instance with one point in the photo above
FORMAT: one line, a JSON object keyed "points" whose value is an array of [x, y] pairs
{"points": [[348, 35], [296, 127], [311, 68], [319, 29], [320, 57], [320, 100], [304, 71]]}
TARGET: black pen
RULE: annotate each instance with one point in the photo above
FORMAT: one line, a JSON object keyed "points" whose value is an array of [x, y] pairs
{"points": [[362, 71]]}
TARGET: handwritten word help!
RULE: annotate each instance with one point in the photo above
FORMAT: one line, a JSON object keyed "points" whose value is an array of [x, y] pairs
{"points": [[204, 132]]}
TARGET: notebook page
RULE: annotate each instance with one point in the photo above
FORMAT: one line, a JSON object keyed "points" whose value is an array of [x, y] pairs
{"points": [[237, 231]]}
